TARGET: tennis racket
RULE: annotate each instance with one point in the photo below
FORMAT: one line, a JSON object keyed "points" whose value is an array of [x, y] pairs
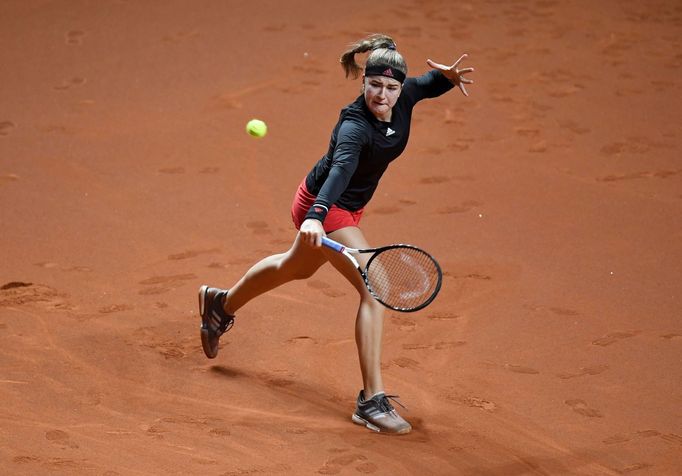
{"points": [[401, 277]]}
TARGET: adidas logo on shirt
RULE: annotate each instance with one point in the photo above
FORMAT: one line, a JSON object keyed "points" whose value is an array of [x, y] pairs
{"points": [[389, 132]]}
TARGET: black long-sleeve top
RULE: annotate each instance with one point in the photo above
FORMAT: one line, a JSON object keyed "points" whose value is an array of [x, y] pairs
{"points": [[362, 146]]}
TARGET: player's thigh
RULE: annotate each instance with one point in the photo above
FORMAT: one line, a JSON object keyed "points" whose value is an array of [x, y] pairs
{"points": [[302, 260], [351, 237]]}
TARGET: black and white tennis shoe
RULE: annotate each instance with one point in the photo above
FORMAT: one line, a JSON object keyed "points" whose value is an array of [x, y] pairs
{"points": [[214, 320], [378, 414]]}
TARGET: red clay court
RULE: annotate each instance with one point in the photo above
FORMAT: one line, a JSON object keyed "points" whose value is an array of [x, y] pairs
{"points": [[552, 197]]}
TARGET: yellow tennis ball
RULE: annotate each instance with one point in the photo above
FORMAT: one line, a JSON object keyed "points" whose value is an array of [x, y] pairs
{"points": [[256, 128]]}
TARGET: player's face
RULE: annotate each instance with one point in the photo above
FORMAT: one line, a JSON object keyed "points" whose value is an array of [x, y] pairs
{"points": [[381, 94]]}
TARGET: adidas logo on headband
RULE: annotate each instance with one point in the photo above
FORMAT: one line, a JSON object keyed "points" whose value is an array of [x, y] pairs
{"points": [[385, 70]]}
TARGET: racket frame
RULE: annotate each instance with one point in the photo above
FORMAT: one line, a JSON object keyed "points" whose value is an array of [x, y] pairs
{"points": [[348, 253]]}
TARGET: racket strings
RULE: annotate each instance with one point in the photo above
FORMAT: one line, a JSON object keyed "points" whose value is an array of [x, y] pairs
{"points": [[403, 278]]}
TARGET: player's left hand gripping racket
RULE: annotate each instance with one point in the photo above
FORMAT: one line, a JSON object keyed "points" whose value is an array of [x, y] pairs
{"points": [[401, 277]]}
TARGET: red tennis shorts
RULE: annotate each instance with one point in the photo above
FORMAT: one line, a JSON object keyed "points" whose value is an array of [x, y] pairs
{"points": [[336, 219]]}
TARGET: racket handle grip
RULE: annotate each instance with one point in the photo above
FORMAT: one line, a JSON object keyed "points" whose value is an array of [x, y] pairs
{"points": [[329, 243]]}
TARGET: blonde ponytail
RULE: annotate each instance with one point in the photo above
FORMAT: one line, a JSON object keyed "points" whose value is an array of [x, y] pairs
{"points": [[383, 45]]}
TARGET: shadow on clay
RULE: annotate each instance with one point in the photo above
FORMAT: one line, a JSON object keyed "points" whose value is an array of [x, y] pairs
{"points": [[285, 386]]}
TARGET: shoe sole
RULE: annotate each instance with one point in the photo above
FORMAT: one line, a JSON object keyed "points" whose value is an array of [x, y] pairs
{"points": [[205, 338], [361, 421]]}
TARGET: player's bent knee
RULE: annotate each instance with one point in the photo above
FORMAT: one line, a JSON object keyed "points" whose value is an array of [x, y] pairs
{"points": [[368, 301]]}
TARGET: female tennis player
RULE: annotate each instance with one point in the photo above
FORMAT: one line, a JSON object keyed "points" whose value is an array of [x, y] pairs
{"points": [[371, 132]]}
